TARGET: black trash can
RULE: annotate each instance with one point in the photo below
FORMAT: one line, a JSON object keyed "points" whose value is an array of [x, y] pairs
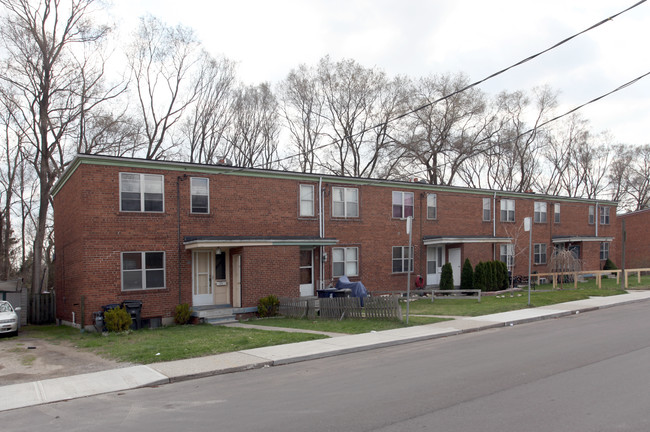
{"points": [[110, 306], [134, 308]]}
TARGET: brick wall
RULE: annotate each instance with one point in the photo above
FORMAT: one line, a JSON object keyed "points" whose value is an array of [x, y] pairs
{"points": [[637, 245], [91, 232]]}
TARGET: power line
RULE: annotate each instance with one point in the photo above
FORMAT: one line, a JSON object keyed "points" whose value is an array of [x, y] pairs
{"points": [[519, 63]]}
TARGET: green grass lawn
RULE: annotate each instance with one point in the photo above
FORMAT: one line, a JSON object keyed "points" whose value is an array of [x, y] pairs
{"points": [[167, 343], [503, 303], [348, 326]]}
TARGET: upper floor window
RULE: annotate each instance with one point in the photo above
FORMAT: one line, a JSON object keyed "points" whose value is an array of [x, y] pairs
{"points": [[200, 191], [540, 212], [345, 261], [143, 270], [507, 210], [306, 200], [604, 215], [345, 202], [604, 251], [592, 215], [141, 192], [432, 206], [402, 204], [539, 253], [402, 259], [556, 207], [487, 209]]}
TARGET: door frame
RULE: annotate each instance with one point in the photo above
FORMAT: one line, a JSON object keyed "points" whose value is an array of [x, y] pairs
{"points": [[202, 299], [307, 290], [236, 280]]}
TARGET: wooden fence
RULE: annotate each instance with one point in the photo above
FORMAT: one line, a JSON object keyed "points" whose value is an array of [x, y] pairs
{"points": [[42, 309], [383, 307]]}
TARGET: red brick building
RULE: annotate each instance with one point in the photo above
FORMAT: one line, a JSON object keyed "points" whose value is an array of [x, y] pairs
{"points": [[637, 241], [169, 232]]}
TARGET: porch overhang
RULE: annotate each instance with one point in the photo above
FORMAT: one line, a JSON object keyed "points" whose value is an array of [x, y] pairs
{"points": [[207, 242], [579, 239], [442, 240]]}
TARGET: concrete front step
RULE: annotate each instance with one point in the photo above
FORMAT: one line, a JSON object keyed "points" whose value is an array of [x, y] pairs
{"points": [[221, 320]]}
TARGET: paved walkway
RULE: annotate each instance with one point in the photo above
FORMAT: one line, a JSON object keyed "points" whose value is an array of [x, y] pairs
{"points": [[59, 389]]}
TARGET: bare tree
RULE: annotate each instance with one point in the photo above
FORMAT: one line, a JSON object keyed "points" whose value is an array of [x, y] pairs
{"points": [[443, 136], [639, 178], [356, 105], [41, 42], [253, 136], [619, 175], [206, 126], [302, 107], [162, 60], [512, 163], [565, 262]]}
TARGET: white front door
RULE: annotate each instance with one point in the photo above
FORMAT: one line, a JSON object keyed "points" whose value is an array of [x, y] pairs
{"points": [[202, 278], [454, 259], [236, 280], [435, 260], [306, 272]]}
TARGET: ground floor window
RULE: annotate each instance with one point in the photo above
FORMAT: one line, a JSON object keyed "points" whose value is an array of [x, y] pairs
{"points": [[345, 261], [604, 251], [402, 259], [143, 270], [507, 255], [539, 253]]}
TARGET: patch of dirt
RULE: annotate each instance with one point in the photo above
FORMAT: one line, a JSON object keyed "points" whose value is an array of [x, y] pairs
{"points": [[26, 359]]}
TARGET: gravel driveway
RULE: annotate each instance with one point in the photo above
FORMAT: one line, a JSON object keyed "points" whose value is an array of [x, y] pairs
{"points": [[26, 359]]}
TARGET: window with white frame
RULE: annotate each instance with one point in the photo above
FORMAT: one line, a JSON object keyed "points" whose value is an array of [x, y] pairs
{"points": [[345, 261], [592, 215], [507, 210], [345, 202], [432, 206], [507, 255], [306, 200], [539, 253], [556, 208], [604, 215], [402, 204], [200, 192], [402, 260], [141, 192], [540, 212], [143, 270], [604, 251], [487, 209]]}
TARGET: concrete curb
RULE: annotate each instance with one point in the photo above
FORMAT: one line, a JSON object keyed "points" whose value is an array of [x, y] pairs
{"points": [[77, 386]]}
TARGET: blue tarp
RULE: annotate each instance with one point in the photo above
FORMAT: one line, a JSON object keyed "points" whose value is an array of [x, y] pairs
{"points": [[358, 290]]}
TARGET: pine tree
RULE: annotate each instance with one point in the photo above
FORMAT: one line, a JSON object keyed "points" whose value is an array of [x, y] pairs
{"points": [[467, 276]]}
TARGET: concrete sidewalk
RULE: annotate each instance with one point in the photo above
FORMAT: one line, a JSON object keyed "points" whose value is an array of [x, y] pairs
{"points": [[71, 387]]}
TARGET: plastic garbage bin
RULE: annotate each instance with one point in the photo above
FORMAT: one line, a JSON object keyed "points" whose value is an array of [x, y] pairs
{"points": [[98, 317], [134, 308]]}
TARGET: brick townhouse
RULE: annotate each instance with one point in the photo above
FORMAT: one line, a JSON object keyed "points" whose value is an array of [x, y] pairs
{"points": [[169, 232], [637, 242]]}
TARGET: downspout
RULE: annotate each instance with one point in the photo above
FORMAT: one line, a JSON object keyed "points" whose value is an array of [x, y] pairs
{"points": [[178, 216], [494, 225], [321, 233]]}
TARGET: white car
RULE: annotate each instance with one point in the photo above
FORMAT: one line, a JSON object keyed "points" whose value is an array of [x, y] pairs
{"points": [[8, 319]]}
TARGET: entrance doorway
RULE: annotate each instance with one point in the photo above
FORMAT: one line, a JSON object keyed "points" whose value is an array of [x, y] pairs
{"points": [[202, 278], [435, 261], [306, 272], [454, 259]]}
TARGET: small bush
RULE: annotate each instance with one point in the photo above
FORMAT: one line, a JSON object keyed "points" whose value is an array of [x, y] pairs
{"points": [[268, 306], [480, 277], [609, 265], [447, 277], [117, 320], [467, 276], [182, 313]]}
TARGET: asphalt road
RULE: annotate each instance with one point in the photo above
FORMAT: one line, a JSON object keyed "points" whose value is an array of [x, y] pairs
{"points": [[587, 372]]}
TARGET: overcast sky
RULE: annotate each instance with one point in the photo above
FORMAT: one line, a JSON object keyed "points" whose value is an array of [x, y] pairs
{"points": [[268, 38]]}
